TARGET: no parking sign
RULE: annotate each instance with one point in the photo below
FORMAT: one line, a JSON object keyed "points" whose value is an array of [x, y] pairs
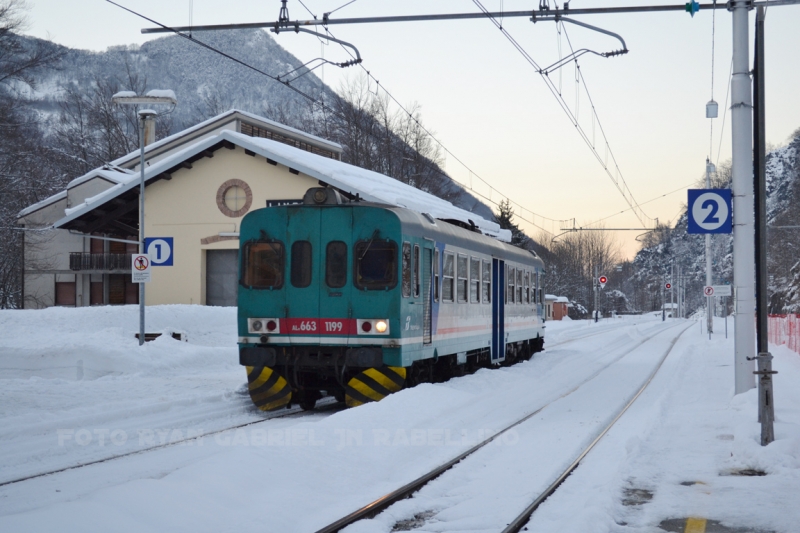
{"points": [[710, 211]]}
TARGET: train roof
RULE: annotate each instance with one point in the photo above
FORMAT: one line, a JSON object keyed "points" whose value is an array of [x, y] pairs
{"points": [[425, 225]]}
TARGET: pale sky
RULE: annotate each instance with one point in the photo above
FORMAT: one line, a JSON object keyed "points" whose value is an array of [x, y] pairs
{"points": [[493, 111]]}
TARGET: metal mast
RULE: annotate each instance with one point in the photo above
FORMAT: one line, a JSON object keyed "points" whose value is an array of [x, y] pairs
{"points": [[742, 168]]}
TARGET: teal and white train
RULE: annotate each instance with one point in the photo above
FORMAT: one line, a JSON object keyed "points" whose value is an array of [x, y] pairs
{"points": [[360, 299]]}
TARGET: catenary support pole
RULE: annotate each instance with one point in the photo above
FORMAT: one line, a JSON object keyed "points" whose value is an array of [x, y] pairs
{"points": [[672, 290], [766, 408], [596, 286], [742, 185], [709, 280]]}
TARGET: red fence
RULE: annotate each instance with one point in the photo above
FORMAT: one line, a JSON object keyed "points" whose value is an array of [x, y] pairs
{"points": [[785, 329]]}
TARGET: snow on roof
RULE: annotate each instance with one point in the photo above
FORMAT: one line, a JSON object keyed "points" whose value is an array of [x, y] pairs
{"points": [[369, 185], [38, 205], [562, 300], [550, 297], [114, 175], [162, 93], [372, 186], [166, 140]]}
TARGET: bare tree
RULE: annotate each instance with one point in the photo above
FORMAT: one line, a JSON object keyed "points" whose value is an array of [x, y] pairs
{"points": [[25, 175]]}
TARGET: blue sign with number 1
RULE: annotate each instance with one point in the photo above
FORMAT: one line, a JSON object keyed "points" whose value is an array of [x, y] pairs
{"points": [[160, 250], [710, 211]]}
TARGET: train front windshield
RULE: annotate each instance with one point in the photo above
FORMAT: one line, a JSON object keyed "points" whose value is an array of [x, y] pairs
{"points": [[376, 265], [263, 265]]}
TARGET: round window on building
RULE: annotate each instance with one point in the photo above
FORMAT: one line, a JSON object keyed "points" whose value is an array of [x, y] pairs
{"points": [[234, 198]]}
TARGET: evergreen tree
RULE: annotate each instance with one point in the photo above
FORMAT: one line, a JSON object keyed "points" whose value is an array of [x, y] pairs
{"points": [[505, 217]]}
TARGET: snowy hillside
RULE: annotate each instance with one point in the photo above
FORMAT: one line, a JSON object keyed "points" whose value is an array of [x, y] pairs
{"points": [[674, 245], [197, 76]]}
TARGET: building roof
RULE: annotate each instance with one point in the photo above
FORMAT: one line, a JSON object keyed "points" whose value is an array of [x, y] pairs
{"points": [[118, 171], [356, 181], [158, 146]]}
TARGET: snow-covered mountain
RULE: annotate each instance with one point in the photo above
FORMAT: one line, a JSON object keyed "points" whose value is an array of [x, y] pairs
{"points": [[196, 74], [205, 82]]}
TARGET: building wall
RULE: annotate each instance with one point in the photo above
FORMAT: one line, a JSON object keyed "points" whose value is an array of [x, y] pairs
{"points": [[185, 208], [47, 257]]}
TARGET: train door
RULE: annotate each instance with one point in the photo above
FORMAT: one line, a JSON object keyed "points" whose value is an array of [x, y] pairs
{"points": [[335, 270], [498, 310], [300, 286], [427, 293]]}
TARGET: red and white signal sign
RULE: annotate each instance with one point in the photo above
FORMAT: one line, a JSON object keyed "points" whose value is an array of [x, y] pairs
{"points": [[668, 285], [603, 280], [708, 290]]}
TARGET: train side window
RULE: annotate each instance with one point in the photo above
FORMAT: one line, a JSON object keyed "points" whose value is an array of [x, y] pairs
{"points": [[406, 269], [262, 266], [447, 276], [474, 280], [375, 265], [301, 264], [417, 261], [519, 285], [336, 264], [510, 285], [487, 282], [436, 275], [463, 277], [539, 288], [527, 287]]}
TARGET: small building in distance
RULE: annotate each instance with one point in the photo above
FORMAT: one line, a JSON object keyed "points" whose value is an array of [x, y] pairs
{"points": [[671, 309], [556, 307]]}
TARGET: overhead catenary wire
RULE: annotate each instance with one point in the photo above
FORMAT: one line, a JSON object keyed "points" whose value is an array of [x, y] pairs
{"points": [[713, 56], [619, 183], [326, 107], [724, 113], [470, 171]]}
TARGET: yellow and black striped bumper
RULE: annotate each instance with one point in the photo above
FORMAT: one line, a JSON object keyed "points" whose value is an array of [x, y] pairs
{"points": [[374, 384], [268, 389]]}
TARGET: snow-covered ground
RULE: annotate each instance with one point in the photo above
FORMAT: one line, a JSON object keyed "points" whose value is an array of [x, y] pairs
{"points": [[76, 387]]}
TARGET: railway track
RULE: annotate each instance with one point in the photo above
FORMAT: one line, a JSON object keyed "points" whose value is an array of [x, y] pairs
{"points": [[377, 506], [326, 404], [323, 405]]}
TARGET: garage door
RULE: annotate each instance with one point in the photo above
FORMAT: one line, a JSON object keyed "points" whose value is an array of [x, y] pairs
{"points": [[222, 278]]}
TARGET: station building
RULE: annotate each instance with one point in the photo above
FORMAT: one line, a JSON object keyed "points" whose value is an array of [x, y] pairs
{"points": [[199, 184]]}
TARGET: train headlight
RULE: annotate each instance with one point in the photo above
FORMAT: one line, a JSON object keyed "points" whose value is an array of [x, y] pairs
{"points": [[263, 325], [373, 326]]}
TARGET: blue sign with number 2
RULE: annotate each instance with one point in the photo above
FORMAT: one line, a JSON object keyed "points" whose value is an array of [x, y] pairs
{"points": [[160, 250], [710, 211]]}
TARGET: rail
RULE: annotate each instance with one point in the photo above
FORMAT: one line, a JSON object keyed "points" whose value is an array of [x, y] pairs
{"points": [[382, 503]]}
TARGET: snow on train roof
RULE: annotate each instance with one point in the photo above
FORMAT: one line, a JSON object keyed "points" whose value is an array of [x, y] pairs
{"points": [[369, 185]]}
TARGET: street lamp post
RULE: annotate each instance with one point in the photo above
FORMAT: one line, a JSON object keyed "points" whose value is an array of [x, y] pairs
{"points": [[145, 115]]}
